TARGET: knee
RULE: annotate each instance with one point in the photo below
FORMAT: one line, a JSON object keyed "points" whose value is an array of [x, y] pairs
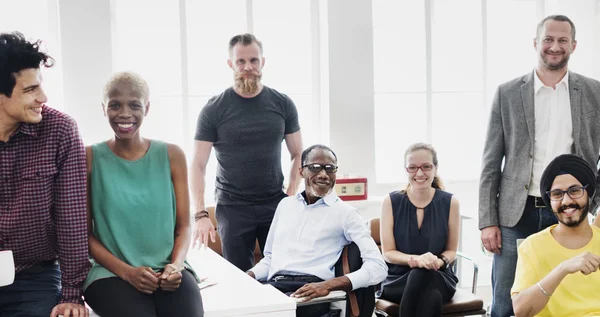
{"points": [[420, 274]]}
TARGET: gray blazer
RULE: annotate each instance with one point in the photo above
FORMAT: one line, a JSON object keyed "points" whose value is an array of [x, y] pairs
{"points": [[503, 189]]}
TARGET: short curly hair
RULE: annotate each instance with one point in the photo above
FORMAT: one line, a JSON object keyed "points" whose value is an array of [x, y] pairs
{"points": [[17, 54], [135, 80]]}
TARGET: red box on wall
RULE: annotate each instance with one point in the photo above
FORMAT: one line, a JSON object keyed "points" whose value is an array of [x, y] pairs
{"points": [[353, 188]]}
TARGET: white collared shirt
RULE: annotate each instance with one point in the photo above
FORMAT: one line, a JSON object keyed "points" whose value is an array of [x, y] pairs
{"points": [[553, 127], [309, 239]]}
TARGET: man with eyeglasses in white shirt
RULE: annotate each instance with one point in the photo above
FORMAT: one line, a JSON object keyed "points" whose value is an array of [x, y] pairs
{"points": [[308, 234]]}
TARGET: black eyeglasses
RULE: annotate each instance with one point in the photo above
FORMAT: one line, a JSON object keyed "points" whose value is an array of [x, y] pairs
{"points": [[316, 168], [414, 168], [573, 192]]}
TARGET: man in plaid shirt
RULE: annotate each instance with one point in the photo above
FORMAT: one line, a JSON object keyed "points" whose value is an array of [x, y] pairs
{"points": [[42, 190]]}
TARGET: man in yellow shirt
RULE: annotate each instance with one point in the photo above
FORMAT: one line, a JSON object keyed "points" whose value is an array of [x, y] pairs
{"points": [[557, 268]]}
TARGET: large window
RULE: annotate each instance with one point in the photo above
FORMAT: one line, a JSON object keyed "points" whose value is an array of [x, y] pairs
{"points": [[435, 70], [38, 20], [184, 59]]}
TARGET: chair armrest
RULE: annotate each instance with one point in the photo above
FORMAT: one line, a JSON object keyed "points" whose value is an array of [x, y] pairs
{"points": [[475, 269]]}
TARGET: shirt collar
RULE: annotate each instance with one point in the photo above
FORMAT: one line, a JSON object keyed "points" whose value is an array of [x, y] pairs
{"points": [[329, 199], [537, 82], [28, 129]]}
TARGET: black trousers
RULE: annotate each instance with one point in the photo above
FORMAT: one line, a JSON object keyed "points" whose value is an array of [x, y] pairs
{"points": [[290, 286], [239, 226], [113, 297], [423, 295]]}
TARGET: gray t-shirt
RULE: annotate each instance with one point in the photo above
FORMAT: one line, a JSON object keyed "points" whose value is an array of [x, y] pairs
{"points": [[247, 134]]}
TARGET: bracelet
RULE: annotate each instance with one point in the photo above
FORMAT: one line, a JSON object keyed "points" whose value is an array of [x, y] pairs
{"points": [[201, 214], [543, 290]]}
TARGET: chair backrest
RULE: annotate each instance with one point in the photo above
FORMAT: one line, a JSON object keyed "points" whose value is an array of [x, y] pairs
{"points": [[216, 246], [375, 234]]}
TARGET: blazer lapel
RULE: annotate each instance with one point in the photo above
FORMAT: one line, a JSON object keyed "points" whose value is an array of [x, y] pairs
{"points": [[575, 98], [528, 105]]}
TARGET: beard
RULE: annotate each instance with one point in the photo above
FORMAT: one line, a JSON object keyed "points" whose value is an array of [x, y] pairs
{"points": [[555, 66], [249, 84], [573, 222]]}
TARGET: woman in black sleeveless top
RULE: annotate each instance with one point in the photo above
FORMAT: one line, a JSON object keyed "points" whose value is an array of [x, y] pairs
{"points": [[419, 238]]}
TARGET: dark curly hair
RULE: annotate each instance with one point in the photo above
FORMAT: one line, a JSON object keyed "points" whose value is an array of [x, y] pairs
{"points": [[17, 54]]}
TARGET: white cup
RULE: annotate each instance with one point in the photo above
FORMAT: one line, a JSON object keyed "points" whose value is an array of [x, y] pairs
{"points": [[7, 268]]}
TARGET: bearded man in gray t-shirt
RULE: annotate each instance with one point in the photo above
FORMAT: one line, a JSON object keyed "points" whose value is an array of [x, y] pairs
{"points": [[246, 125]]}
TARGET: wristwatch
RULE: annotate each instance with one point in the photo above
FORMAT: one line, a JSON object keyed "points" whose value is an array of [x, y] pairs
{"points": [[446, 262]]}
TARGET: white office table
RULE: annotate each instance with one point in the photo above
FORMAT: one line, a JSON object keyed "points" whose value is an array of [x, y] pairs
{"points": [[236, 293]]}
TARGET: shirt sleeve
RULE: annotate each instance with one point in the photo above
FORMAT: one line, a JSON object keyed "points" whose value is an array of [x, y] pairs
{"points": [[70, 214], [525, 273], [261, 269], [374, 270], [292, 124], [205, 127]]}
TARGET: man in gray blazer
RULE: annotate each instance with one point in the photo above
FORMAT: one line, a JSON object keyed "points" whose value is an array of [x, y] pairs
{"points": [[534, 118]]}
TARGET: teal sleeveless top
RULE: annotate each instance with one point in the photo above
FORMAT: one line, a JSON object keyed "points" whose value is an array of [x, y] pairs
{"points": [[133, 208]]}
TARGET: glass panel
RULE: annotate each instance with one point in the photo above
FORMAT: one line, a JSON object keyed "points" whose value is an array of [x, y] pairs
{"points": [[147, 41], [210, 26], [284, 29], [32, 18], [510, 45], [457, 53], [458, 134], [164, 120], [399, 45], [400, 120]]}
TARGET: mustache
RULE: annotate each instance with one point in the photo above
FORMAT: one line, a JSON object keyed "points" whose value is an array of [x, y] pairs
{"points": [[252, 72], [562, 208]]}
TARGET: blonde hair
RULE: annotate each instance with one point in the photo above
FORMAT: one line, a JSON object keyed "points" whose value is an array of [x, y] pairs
{"points": [[437, 182], [136, 81]]}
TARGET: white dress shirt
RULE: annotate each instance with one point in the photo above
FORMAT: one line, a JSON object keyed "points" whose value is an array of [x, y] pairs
{"points": [[553, 127], [309, 239]]}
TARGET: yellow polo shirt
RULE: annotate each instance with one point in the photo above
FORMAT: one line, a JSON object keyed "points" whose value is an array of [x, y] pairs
{"points": [[577, 294]]}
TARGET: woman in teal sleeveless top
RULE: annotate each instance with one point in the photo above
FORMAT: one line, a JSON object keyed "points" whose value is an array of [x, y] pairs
{"points": [[138, 216]]}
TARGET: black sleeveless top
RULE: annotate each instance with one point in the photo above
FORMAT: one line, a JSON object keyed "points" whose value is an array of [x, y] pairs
{"points": [[432, 236]]}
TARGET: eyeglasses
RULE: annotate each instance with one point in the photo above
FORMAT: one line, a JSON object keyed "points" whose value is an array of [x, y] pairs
{"points": [[573, 192], [316, 168], [414, 168]]}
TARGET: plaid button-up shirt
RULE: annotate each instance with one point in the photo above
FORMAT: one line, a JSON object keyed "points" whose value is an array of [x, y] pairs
{"points": [[43, 199]]}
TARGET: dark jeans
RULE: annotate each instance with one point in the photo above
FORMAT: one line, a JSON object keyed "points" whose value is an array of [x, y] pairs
{"points": [[423, 294], [289, 284], [240, 225], [113, 297], [534, 219], [34, 292]]}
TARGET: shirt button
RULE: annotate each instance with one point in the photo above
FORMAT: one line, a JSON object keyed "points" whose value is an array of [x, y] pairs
{"points": [[526, 187]]}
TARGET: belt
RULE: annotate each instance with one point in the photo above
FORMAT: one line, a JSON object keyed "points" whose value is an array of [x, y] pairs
{"points": [[296, 278], [537, 202], [40, 267]]}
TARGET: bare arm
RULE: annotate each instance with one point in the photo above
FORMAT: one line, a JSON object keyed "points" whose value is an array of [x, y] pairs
{"points": [[453, 231], [388, 242], [293, 141], [203, 227], [183, 230], [202, 151], [532, 300]]}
